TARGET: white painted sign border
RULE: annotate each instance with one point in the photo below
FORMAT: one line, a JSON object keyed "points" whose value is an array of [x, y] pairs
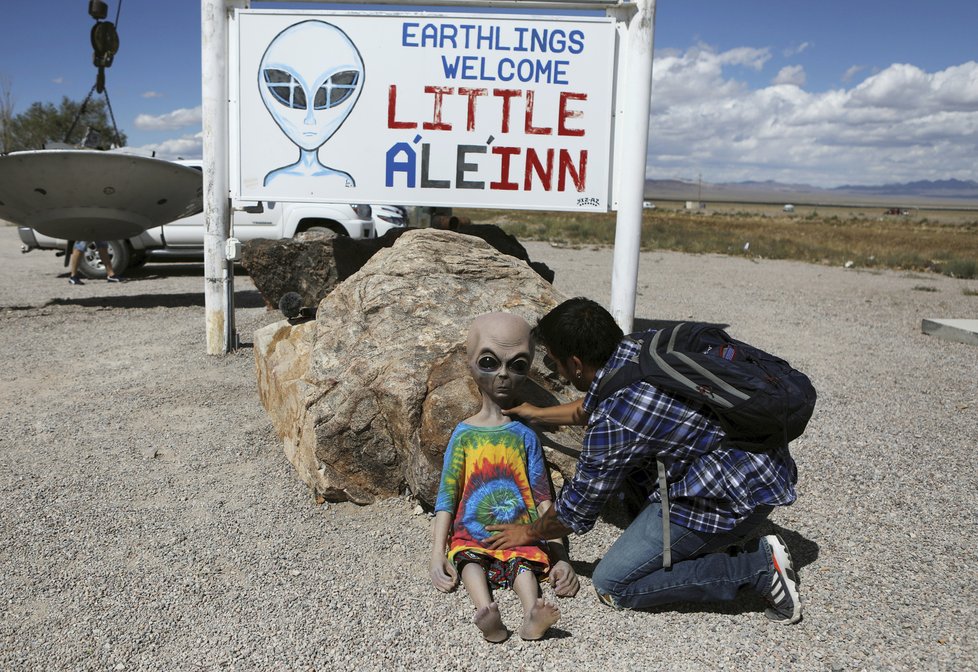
{"points": [[513, 158]]}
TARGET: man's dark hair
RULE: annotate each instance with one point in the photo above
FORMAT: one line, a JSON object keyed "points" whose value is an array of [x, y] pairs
{"points": [[579, 327]]}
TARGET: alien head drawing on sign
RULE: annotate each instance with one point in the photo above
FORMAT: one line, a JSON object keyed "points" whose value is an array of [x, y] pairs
{"points": [[310, 78]]}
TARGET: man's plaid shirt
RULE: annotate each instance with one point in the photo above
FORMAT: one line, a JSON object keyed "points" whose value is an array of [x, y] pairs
{"points": [[711, 488]]}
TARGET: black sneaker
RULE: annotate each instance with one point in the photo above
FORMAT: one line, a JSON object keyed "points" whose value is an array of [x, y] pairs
{"points": [[783, 594], [75, 280], [114, 278]]}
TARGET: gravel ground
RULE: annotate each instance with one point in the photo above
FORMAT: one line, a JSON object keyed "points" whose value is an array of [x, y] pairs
{"points": [[149, 519]]}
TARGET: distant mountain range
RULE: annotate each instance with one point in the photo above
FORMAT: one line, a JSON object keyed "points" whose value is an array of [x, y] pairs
{"points": [[953, 192], [927, 188]]}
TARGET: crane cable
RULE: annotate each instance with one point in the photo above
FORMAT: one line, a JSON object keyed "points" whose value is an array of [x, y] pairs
{"points": [[105, 44]]}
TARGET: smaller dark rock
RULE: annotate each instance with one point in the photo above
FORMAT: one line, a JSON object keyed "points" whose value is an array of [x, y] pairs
{"points": [[304, 266]]}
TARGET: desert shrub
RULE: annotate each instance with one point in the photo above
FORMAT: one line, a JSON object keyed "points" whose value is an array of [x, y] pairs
{"points": [[961, 268]]}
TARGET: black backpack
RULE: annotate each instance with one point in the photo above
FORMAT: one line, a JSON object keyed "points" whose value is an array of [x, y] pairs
{"points": [[760, 401]]}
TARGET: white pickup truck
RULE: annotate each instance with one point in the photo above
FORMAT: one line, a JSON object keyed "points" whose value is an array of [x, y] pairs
{"points": [[183, 239]]}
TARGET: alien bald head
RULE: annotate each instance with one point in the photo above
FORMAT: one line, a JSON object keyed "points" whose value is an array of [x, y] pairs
{"points": [[310, 77], [499, 349]]}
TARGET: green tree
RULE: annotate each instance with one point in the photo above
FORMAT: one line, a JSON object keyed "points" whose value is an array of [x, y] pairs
{"points": [[44, 123], [6, 113]]}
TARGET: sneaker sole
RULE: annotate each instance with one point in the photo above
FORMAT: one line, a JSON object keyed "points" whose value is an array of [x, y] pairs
{"points": [[786, 569]]}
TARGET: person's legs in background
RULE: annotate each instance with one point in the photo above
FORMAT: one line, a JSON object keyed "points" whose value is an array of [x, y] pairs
{"points": [[78, 249], [103, 252]]}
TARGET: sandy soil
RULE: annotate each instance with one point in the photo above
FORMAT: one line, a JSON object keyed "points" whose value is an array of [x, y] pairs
{"points": [[149, 520]]}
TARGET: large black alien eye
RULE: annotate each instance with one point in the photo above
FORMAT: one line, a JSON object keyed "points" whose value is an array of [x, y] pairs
{"points": [[488, 363], [336, 89], [285, 88], [520, 366]]}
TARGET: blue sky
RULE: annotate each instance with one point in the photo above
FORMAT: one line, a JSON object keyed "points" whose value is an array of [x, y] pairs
{"points": [[824, 93]]}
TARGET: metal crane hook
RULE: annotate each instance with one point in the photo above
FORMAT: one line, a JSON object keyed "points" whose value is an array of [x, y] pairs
{"points": [[105, 40]]}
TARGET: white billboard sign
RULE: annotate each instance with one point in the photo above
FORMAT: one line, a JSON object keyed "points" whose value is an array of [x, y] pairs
{"points": [[474, 110]]}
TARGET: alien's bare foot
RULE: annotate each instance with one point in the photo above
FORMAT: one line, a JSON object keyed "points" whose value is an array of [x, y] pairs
{"points": [[539, 619], [488, 620]]}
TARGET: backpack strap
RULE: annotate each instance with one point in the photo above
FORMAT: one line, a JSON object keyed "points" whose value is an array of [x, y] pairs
{"points": [[664, 496], [621, 376], [654, 350]]}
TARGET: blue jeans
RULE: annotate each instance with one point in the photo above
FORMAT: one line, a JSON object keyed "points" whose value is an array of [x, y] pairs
{"points": [[704, 568], [82, 245]]}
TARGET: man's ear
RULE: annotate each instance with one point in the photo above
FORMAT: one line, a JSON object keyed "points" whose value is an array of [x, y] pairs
{"points": [[576, 365]]}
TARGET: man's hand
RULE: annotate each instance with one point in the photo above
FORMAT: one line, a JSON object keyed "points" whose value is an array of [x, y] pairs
{"points": [[571, 413], [510, 535], [547, 526], [525, 411], [564, 579], [444, 576]]}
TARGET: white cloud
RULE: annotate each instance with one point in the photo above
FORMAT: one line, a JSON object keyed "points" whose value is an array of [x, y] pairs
{"points": [[698, 75], [897, 125], [851, 72], [152, 94], [899, 86], [184, 147], [170, 121], [957, 87], [58, 80], [790, 74], [797, 49]]}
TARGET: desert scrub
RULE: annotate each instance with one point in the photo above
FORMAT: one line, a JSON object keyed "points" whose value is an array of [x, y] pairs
{"points": [[926, 243]]}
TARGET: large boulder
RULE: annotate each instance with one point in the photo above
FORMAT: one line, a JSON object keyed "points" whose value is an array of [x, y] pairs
{"points": [[351, 254], [312, 263], [505, 243], [365, 397]]}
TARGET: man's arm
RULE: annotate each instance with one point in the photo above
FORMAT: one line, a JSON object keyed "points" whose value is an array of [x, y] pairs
{"points": [[562, 574], [609, 453], [547, 526], [571, 413]]}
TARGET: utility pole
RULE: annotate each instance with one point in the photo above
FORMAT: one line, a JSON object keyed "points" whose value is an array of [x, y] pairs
{"points": [[218, 271]]}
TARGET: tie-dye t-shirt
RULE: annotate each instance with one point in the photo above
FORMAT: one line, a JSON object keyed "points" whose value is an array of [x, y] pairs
{"points": [[492, 475]]}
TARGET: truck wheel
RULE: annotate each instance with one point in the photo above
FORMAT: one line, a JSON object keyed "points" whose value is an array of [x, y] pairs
{"points": [[91, 265]]}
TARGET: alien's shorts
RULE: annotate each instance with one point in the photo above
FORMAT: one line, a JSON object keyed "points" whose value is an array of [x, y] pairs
{"points": [[500, 573]]}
